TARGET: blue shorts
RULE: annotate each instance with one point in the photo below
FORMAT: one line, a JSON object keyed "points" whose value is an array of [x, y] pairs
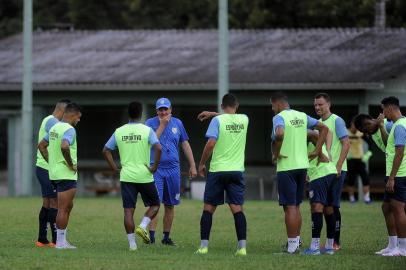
{"points": [[321, 190], [400, 190], [291, 186], [231, 182], [47, 189], [129, 193], [63, 185], [167, 183], [338, 184]]}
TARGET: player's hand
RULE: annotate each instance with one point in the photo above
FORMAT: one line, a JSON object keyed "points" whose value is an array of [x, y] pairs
{"points": [[202, 170], [339, 168], [322, 159], [275, 158], [380, 119], [205, 115], [165, 120], [313, 155], [192, 172], [390, 185], [74, 168], [152, 168]]}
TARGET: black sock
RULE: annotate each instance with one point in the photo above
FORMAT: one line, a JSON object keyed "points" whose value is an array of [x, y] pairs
{"points": [[240, 226], [205, 225], [330, 223], [43, 223], [166, 235], [337, 216], [152, 235], [317, 224], [52, 222]]}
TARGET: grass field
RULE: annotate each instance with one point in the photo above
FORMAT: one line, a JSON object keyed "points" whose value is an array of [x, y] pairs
{"points": [[96, 229]]}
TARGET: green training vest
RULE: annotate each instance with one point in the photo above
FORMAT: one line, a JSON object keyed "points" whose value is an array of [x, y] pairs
{"points": [[390, 151], [229, 151], [294, 142], [315, 172], [41, 162], [135, 151], [336, 146], [58, 169], [377, 138]]}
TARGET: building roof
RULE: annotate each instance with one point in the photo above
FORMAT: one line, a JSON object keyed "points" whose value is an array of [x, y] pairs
{"points": [[188, 58]]}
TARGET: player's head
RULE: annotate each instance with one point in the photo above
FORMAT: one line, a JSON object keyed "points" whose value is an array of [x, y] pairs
{"points": [[163, 107], [390, 105], [135, 110], [279, 102], [229, 101], [60, 108], [72, 113], [322, 104], [366, 124]]}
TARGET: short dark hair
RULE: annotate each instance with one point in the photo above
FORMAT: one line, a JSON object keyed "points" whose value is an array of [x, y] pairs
{"points": [[279, 96], [229, 100], [135, 110], [322, 95], [73, 108], [359, 120], [390, 101], [64, 101]]}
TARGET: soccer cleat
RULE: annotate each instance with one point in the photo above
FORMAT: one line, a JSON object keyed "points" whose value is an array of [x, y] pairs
{"points": [[241, 252], [368, 202], [310, 251], [202, 250], [328, 251], [168, 242], [143, 233], [382, 251], [40, 244], [66, 245], [394, 252], [336, 247], [51, 245], [133, 248]]}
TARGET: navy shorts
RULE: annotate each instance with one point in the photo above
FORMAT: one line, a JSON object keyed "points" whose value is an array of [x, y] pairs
{"points": [[321, 190], [291, 186], [400, 190], [47, 189], [63, 185], [167, 182], [231, 182], [338, 184], [129, 193]]}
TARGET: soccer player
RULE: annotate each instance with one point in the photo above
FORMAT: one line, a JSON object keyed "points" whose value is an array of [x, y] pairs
{"points": [[378, 129], [134, 141], [291, 158], [170, 132], [49, 202], [226, 144], [59, 148], [339, 150], [396, 171], [321, 176]]}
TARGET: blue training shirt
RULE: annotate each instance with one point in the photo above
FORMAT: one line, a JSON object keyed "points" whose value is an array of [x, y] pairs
{"points": [[173, 134], [213, 129], [341, 129]]}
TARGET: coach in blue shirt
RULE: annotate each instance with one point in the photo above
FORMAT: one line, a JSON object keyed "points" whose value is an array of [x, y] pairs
{"points": [[170, 132]]}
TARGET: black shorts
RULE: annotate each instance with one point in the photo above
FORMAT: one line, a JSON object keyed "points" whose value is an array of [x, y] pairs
{"points": [[219, 182], [48, 190], [129, 193], [400, 190], [291, 186], [63, 185], [356, 167]]}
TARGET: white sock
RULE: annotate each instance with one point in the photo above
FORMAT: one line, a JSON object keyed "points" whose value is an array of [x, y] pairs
{"points": [[315, 244], [242, 244], [60, 237], [329, 243], [204, 243], [145, 222], [292, 244], [392, 242], [366, 197], [402, 244], [298, 239], [131, 240], [352, 198]]}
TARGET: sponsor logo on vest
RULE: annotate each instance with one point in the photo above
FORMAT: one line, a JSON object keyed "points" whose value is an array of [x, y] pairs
{"points": [[131, 138], [297, 122], [235, 128], [53, 135]]}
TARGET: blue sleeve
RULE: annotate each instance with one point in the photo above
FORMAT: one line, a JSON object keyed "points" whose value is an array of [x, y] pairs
{"points": [[400, 135], [111, 143], [388, 126], [341, 129], [278, 122], [50, 123], [148, 123], [46, 138], [311, 122], [183, 134], [213, 130], [152, 138], [69, 135]]}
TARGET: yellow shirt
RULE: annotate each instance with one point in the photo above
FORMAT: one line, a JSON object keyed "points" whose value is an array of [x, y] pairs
{"points": [[356, 144]]}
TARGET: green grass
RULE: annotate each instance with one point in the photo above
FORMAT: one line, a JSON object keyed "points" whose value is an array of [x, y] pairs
{"points": [[96, 229]]}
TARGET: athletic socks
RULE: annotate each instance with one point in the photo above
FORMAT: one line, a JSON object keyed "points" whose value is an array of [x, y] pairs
{"points": [[152, 236], [292, 244], [43, 224], [52, 222], [240, 226], [131, 240], [166, 235], [145, 222], [329, 243], [317, 224], [402, 244], [330, 224], [367, 198], [337, 216], [205, 226], [60, 237], [392, 242]]}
